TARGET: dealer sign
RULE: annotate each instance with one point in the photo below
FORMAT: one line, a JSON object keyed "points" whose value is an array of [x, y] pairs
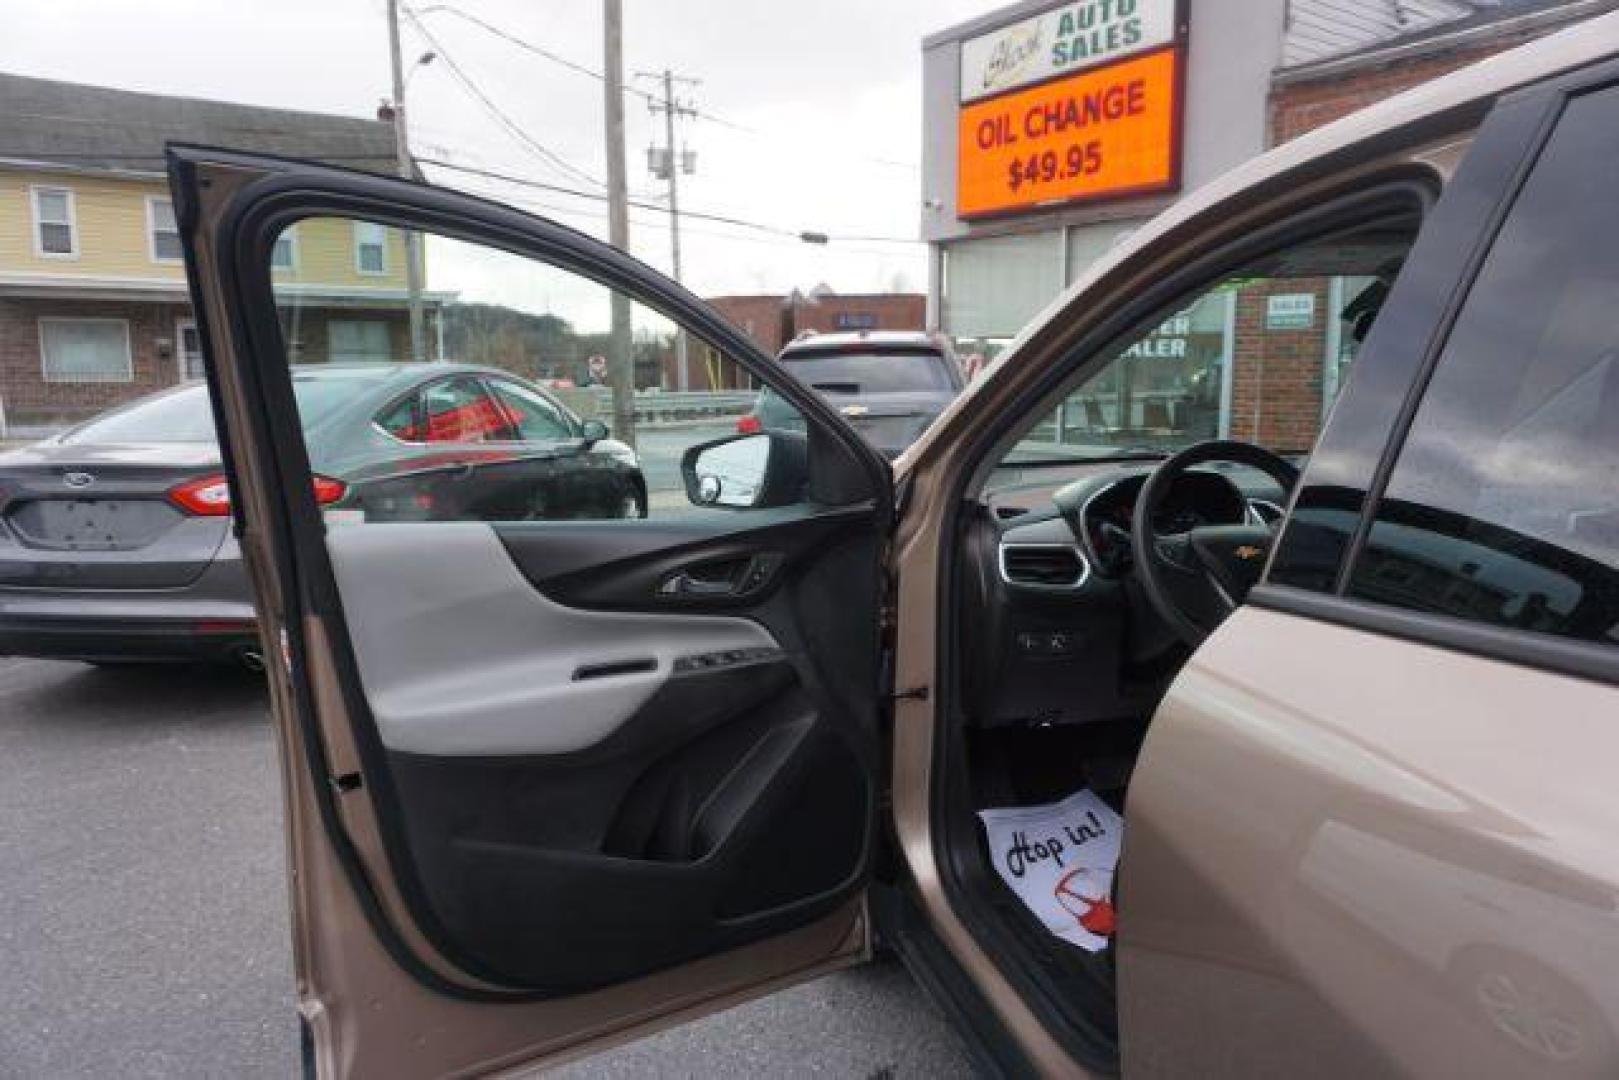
{"points": [[1064, 39], [1108, 131], [1081, 102]]}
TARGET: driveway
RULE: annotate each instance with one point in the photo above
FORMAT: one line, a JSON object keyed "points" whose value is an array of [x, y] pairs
{"points": [[143, 907]]}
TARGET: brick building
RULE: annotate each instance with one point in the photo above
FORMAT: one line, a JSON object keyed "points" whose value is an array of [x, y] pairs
{"points": [[772, 321], [94, 308], [1341, 56]]}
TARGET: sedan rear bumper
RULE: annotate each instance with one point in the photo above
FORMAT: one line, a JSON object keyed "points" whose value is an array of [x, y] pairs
{"points": [[210, 619], [129, 640]]}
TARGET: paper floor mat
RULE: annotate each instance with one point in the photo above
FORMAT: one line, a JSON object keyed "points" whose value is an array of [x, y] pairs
{"points": [[1060, 858]]}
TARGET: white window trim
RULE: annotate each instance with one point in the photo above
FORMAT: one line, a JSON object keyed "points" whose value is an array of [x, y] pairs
{"points": [[151, 230], [129, 353], [180, 326], [291, 235], [359, 268], [34, 192]]}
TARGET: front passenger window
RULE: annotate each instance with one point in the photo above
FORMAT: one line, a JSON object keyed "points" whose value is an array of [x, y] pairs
{"points": [[534, 417], [510, 389]]}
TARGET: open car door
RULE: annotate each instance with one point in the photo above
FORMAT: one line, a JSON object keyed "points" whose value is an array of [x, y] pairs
{"points": [[550, 780]]}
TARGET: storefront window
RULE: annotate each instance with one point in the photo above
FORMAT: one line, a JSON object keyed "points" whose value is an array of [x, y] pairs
{"points": [[1254, 358], [994, 286], [1087, 243]]}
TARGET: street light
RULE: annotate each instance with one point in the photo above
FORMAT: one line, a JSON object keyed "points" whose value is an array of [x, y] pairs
{"points": [[421, 61]]}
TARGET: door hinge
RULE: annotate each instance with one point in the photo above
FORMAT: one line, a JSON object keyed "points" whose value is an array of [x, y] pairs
{"points": [[915, 693]]}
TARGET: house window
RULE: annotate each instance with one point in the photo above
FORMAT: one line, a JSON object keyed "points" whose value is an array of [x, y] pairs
{"points": [[55, 232], [85, 350], [284, 255], [358, 341], [164, 233], [370, 248]]}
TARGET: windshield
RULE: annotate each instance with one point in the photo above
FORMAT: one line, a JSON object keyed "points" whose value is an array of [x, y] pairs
{"points": [[183, 416], [870, 372], [1259, 357]]}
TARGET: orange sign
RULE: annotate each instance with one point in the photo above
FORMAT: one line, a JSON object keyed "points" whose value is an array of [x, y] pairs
{"points": [[1107, 131]]}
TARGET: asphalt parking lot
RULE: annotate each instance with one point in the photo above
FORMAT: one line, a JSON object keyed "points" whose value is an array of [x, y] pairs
{"points": [[143, 915]]}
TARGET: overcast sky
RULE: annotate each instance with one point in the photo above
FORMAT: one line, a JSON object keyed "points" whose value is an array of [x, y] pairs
{"points": [[828, 93]]}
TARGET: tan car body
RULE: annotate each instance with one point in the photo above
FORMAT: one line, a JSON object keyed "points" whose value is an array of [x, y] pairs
{"points": [[1367, 844]]}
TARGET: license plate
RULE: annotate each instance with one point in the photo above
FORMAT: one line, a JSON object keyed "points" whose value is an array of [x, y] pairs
{"points": [[82, 525]]}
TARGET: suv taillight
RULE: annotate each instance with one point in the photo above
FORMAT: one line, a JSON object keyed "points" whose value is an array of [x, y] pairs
{"points": [[209, 496], [749, 425]]}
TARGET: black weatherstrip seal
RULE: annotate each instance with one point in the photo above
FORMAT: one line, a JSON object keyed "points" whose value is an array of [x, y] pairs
{"points": [[285, 193]]}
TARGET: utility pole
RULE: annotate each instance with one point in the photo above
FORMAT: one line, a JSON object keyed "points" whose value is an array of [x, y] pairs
{"points": [[413, 239], [668, 164], [620, 359]]}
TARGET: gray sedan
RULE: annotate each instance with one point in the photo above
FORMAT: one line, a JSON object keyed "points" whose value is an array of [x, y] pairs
{"points": [[115, 540]]}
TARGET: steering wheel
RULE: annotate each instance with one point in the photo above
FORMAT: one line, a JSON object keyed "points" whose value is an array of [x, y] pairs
{"points": [[1195, 579]]}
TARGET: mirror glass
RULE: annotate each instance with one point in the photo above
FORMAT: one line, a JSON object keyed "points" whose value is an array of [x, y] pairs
{"points": [[732, 473]]}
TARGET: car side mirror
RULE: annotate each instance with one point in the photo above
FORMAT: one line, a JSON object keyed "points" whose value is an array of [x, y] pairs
{"points": [[594, 431], [744, 472]]}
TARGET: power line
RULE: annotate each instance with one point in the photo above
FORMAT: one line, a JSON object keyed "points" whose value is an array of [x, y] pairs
{"points": [[528, 46], [581, 69], [521, 181], [511, 126], [805, 235]]}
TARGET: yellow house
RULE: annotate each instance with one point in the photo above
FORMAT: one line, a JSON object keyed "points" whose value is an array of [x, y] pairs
{"points": [[93, 302]]}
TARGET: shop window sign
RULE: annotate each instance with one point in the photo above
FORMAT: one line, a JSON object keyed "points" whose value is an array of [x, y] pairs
{"points": [[1290, 311]]}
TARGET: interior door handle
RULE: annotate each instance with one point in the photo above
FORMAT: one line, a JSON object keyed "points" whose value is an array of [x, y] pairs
{"points": [[683, 584], [730, 579]]}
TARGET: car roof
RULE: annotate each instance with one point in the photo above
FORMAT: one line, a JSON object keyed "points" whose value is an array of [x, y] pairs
{"points": [[876, 340], [393, 373]]}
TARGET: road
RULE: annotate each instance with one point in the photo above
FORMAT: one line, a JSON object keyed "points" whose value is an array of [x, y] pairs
{"points": [[143, 908]]}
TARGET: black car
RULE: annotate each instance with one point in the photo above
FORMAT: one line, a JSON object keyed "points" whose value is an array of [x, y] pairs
{"points": [[115, 535]]}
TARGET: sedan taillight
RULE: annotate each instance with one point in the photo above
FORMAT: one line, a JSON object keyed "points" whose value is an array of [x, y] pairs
{"points": [[209, 496]]}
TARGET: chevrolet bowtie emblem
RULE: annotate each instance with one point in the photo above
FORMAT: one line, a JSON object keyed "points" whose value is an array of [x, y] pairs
{"points": [[1248, 551]]}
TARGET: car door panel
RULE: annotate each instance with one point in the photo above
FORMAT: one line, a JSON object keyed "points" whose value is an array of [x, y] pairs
{"points": [[518, 768], [606, 760], [645, 778], [481, 690]]}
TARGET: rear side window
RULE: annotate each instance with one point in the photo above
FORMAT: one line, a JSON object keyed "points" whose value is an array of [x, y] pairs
{"points": [[870, 372], [184, 416], [1503, 507], [459, 411]]}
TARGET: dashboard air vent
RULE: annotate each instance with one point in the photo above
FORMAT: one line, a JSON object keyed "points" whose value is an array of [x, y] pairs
{"points": [[1047, 566]]}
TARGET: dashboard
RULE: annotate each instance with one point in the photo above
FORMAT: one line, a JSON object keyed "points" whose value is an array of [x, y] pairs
{"points": [[1056, 630], [1102, 515]]}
